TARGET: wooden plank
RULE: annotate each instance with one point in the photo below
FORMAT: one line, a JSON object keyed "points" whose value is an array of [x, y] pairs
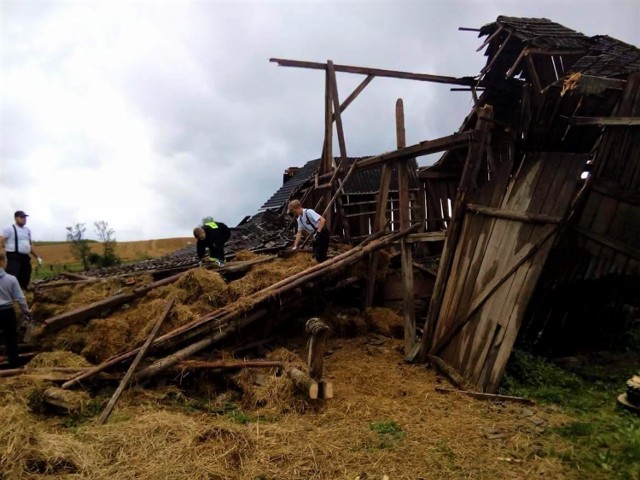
{"points": [[132, 368], [617, 245], [482, 297], [378, 72], [513, 214], [562, 193], [476, 150], [605, 121]]}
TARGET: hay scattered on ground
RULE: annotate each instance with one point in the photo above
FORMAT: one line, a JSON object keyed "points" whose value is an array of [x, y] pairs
{"points": [[26, 451], [58, 358], [72, 338], [270, 391], [244, 255], [385, 419], [385, 322]]}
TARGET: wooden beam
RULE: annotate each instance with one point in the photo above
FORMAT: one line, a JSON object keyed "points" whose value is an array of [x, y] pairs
{"points": [[484, 124], [497, 54], [614, 244], [227, 364], [341, 143], [132, 368], [605, 121], [513, 214], [487, 396], [450, 142], [427, 237], [318, 332], [406, 252], [378, 72], [355, 93], [427, 147]]}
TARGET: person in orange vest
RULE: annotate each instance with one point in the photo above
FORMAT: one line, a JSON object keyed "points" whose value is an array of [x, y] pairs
{"points": [[212, 235]]}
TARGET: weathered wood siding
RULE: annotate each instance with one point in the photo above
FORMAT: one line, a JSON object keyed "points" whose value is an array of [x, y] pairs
{"points": [[497, 264]]}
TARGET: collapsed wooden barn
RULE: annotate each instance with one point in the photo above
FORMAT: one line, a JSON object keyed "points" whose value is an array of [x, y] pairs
{"points": [[534, 197], [538, 189]]}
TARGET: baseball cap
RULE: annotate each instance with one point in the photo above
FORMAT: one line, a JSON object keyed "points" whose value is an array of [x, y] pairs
{"points": [[20, 213]]}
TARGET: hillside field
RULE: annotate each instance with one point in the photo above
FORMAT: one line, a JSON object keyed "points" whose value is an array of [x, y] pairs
{"points": [[59, 253]]}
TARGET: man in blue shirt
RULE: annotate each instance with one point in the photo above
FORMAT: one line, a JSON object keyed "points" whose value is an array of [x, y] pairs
{"points": [[9, 292]]}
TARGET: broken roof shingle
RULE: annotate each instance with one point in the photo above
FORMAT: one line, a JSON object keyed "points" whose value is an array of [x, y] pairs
{"points": [[539, 32]]}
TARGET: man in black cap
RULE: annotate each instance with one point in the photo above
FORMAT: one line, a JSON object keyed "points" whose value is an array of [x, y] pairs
{"points": [[17, 241]]}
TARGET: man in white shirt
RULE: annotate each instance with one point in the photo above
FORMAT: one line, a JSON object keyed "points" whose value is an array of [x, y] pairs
{"points": [[314, 224], [18, 245]]}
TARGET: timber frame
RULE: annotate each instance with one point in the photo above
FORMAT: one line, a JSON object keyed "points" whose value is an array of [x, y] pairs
{"points": [[547, 161]]}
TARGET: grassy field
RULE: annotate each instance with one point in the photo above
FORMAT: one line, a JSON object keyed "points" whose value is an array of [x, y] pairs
{"points": [[57, 255]]}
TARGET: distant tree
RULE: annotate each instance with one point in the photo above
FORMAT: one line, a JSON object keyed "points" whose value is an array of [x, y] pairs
{"points": [[79, 244], [207, 220], [106, 235]]}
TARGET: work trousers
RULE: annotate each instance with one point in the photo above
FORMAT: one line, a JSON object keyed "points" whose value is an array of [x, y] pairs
{"points": [[321, 245], [9, 328], [19, 265]]}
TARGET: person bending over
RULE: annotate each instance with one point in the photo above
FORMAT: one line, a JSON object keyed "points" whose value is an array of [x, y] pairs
{"points": [[314, 224], [212, 235]]}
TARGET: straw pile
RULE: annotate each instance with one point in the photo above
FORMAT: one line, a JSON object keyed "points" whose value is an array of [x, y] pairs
{"points": [[58, 358], [385, 322], [385, 419], [266, 274]]}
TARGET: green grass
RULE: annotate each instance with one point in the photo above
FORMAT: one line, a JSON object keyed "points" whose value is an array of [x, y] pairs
{"points": [[389, 434], [605, 438]]}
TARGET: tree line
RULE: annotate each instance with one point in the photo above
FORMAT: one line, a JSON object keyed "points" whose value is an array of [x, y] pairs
{"points": [[81, 251]]}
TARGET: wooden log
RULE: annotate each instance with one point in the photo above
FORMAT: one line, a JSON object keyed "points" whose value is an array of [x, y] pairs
{"points": [[192, 349], [77, 276], [13, 372], [304, 383], [132, 368], [487, 396], [67, 283], [83, 313], [325, 389], [228, 365], [70, 401], [318, 332]]}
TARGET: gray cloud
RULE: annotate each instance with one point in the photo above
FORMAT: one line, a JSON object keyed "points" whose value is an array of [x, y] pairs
{"points": [[151, 115]]}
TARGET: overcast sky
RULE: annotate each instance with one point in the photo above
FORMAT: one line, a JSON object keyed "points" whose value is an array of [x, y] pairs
{"points": [[151, 115]]}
